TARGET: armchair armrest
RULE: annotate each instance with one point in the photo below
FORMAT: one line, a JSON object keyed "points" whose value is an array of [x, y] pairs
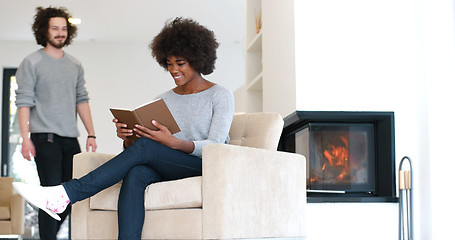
{"points": [[17, 214], [83, 163], [252, 193]]}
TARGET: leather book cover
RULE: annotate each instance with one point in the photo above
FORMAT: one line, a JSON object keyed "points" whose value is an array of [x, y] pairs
{"points": [[127, 116], [156, 110]]}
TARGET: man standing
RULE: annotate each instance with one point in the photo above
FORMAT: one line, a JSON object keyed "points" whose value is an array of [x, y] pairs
{"points": [[51, 92]]}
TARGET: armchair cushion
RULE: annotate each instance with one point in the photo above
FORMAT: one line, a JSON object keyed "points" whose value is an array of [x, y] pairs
{"points": [[5, 213], [5, 227], [183, 193], [6, 190], [11, 209], [258, 130]]}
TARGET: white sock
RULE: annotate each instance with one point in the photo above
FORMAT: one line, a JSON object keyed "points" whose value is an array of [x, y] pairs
{"points": [[57, 198]]}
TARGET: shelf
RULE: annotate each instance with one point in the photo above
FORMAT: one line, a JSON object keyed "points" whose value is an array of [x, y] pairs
{"points": [[255, 44], [253, 100], [255, 84]]}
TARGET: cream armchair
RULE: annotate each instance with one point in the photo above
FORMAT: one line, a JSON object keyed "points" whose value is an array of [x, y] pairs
{"points": [[11, 209], [247, 190]]}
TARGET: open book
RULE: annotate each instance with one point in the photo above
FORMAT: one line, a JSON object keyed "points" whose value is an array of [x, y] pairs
{"points": [[143, 115]]}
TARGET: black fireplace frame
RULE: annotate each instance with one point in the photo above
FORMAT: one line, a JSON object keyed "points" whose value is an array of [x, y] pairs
{"points": [[385, 176]]}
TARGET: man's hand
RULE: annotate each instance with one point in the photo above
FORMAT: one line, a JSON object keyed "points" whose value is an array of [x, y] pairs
{"points": [[91, 144], [28, 149]]}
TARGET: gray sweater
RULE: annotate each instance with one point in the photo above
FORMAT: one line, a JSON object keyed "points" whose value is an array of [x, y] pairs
{"points": [[52, 88], [203, 117]]}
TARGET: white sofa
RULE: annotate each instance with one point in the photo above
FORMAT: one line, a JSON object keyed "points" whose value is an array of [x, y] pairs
{"points": [[247, 190]]}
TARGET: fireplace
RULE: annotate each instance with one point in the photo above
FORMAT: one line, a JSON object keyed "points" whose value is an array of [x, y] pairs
{"points": [[350, 155]]}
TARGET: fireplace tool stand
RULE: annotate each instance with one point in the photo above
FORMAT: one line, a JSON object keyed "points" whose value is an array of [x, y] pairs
{"points": [[406, 225]]}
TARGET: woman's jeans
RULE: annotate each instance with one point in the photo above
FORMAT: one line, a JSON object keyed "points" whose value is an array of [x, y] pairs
{"points": [[143, 163]]}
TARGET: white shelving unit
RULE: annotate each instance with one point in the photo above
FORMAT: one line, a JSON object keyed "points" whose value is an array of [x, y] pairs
{"points": [[253, 57], [269, 58]]}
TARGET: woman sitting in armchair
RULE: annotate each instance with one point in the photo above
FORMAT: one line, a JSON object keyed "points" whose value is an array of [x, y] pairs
{"points": [[202, 109]]}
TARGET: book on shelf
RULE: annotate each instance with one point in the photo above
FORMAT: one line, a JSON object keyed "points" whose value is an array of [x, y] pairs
{"points": [[143, 115]]}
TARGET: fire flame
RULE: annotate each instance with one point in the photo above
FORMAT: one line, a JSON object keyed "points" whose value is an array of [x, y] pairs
{"points": [[340, 158], [337, 158]]}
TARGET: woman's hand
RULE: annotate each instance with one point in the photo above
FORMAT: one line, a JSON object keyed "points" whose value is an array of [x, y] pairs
{"points": [[162, 135], [165, 137], [122, 131]]}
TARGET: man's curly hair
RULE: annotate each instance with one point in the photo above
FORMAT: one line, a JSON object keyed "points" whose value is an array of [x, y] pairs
{"points": [[41, 25], [186, 38]]}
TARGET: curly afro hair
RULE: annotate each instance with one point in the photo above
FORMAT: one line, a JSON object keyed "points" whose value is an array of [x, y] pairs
{"points": [[41, 25], [188, 39]]}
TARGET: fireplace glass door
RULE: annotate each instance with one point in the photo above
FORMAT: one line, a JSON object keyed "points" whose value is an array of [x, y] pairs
{"points": [[340, 156]]}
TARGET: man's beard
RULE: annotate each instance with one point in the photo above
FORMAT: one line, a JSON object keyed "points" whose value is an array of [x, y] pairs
{"points": [[57, 43]]}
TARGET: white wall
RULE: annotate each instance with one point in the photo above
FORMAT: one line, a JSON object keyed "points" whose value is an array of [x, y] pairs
{"points": [[386, 55], [125, 75], [440, 75]]}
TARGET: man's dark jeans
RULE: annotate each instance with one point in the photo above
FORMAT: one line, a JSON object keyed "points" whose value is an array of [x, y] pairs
{"points": [[54, 162]]}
